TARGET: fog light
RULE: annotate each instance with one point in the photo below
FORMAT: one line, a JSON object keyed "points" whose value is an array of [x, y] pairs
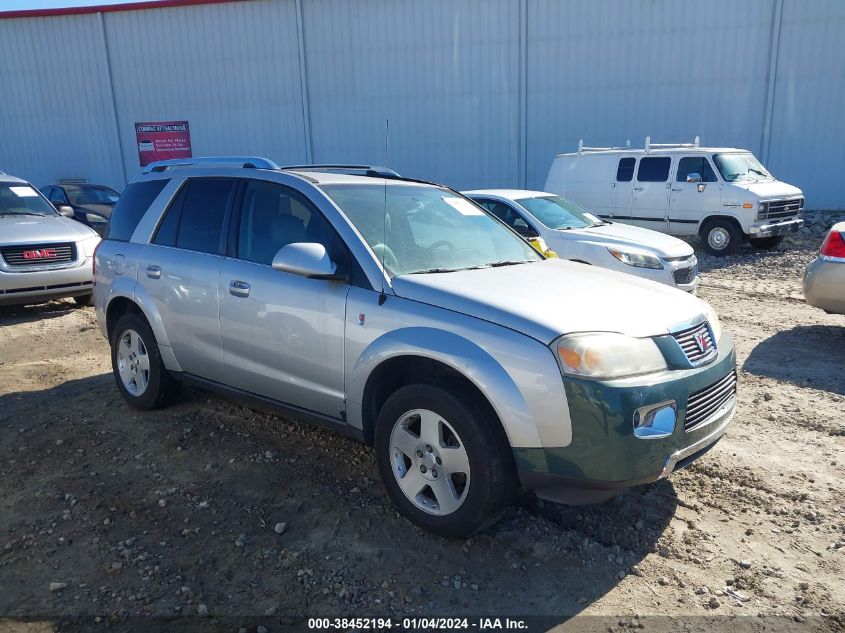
{"points": [[655, 420]]}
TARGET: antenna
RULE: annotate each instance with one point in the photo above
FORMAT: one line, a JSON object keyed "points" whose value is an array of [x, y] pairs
{"points": [[383, 297]]}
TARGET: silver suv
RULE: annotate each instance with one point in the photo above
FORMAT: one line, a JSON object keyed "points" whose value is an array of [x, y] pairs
{"points": [[402, 313], [43, 255]]}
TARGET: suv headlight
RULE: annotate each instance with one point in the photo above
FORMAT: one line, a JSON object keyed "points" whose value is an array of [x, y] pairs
{"points": [[713, 320], [634, 258], [89, 245], [606, 355]]}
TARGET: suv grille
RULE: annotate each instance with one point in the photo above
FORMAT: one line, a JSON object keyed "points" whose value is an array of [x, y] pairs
{"points": [[697, 343], [782, 209], [703, 404], [38, 254], [684, 275]]}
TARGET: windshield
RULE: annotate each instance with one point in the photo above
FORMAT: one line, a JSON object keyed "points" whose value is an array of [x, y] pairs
{"points": [[741, 167], [428, 229], [91, 195], [22, 199], [557, 213]]}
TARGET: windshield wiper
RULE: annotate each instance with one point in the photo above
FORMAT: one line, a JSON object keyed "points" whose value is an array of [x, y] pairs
{"points": [[509, 263], [434, 270], [38, 215]]}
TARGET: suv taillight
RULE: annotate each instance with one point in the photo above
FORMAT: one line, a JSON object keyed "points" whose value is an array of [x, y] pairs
{"points": [[834, 245]]}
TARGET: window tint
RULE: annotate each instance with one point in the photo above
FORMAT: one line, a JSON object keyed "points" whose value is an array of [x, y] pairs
{"points": [[625, 170], [169, 226], [131, 207], [202, 214], [695, 165], [274, 216], [654, 169]]}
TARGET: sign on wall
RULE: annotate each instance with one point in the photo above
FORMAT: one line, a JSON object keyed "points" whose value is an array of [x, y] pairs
{"points": [[162, 140]]}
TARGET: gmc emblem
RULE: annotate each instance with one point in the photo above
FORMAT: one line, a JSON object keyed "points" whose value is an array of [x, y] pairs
{"points": [[41, 253]]}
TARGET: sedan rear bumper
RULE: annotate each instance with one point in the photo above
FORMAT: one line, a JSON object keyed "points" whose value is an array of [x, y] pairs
{"points": [[824, 285]]}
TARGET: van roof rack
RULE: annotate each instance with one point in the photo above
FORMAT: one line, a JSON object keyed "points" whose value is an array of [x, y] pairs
{"points": [[247, 162], [649, 145], [375, 171], [582, 148]]}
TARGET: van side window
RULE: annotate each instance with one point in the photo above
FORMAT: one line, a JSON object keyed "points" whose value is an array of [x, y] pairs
{"points": [[654, 169], [273, 216], [625, 170], [202, 214], [695, 165]]}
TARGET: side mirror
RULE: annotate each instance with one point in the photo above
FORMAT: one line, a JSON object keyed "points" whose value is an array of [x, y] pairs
{"points": [[307, 259], [65, 210], [694, 177]]}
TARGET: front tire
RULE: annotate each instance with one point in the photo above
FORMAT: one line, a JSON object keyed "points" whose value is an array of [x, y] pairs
{"points": [[767, 243], [721, 237], [444, 463], [138, 369]]}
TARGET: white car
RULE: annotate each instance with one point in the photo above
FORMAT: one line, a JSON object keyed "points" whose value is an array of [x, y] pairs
{"points": [[724, 195], [576, 234]]}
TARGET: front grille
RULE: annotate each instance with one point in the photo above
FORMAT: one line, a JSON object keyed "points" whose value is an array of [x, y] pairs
{"points": [[703, 404], [697, 343], [782, 209], [684, 275], [38, 254]]}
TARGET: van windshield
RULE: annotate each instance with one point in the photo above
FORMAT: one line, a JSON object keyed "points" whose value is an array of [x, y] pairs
{"points": [[23, 199], [741, 167], [558, 213], [425, 229]]}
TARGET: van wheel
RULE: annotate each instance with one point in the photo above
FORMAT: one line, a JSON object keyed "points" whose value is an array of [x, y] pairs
{"points": [[721, 237], [138, 369], [444, 465], [767, 243]]}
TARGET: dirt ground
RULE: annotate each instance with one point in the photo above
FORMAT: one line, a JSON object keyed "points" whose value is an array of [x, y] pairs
{"points": [[107, 514]]}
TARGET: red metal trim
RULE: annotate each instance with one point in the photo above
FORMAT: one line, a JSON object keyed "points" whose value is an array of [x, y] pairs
{"points": [[106, 8]]}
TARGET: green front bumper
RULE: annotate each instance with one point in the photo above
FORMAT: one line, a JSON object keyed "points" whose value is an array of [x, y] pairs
{"points": [[604, 453]]}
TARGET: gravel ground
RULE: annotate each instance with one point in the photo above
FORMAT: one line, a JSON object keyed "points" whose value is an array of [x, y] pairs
{"points": [[209, 508]]}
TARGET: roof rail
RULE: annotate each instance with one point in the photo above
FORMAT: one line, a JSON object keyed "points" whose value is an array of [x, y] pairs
{"points": [[649, 145], [247, 162], [376, 171], [582, 148]]}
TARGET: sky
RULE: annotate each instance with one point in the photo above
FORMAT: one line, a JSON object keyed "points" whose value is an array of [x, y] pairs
{"points": [[16, 5]]}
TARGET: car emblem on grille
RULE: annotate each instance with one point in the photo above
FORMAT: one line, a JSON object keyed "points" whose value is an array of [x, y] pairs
{"points": [[41, 253], [701, 341]]}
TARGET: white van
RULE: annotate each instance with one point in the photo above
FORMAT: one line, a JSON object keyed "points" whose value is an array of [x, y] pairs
{"points": [[722, 194]]}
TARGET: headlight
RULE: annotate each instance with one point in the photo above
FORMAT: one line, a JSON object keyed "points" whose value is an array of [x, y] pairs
{"points": [[605, 355], [761, 210], [713, 320], [633, 258], [90, 245]]}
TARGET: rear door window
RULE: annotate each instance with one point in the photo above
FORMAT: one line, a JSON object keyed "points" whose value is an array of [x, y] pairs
{"points": [[654, 169], [625, 169], [202, 213], [131, 207]]}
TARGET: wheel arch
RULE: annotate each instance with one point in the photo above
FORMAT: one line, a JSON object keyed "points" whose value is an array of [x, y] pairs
{"points": [[702, 226], [398, 358]]}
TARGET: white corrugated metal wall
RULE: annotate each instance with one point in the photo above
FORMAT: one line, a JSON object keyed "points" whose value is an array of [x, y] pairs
{"points": [[479, 93]]}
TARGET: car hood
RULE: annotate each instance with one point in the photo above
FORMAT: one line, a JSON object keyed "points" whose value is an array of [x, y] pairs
{"points": [[769, 189], [103, 209], [28, 229], [553, 297], [625, 235]]}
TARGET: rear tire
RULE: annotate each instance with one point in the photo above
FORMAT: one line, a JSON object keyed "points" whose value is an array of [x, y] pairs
{"points": [[767, 243], [84, 300], [138, 369], [444, 463], [721, 237]]}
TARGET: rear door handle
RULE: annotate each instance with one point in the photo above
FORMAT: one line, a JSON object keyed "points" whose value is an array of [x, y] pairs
{"points": [[239, 288], [153, 272], [673, 189]]}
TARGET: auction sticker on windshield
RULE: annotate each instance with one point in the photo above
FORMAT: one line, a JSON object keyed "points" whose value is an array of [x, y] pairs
{"points": [[24, 192], [464, 207]]}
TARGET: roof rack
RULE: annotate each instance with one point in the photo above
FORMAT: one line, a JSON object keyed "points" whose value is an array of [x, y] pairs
{"points": [[247, 162], [649, 145], [375, 171], [582, 148]]}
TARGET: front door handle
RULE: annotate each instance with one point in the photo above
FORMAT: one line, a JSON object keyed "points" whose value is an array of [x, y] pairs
{"points": [[154, 272], [673, 189], [239, 288], [638, 188]]}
